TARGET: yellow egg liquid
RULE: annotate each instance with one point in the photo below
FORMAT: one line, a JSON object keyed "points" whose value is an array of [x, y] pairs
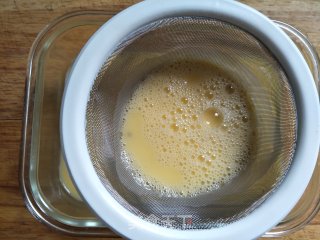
{"points": [[66, 181], [187, 129]]}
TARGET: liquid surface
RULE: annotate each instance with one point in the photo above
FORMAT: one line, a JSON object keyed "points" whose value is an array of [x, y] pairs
{"points": [[187, 129], [66, 181]]}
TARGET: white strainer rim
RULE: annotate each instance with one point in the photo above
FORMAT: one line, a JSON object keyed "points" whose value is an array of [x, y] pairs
{"points": [[99, 47]]}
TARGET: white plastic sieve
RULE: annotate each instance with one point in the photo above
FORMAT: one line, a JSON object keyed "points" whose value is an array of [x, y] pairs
{"points": [[97, 51]]}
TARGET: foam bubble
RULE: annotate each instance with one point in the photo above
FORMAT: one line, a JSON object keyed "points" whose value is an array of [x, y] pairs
{"points": [[190, 129]]}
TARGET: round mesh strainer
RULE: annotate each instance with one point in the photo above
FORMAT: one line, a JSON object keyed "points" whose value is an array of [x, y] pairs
{"points": [[239, 54]]}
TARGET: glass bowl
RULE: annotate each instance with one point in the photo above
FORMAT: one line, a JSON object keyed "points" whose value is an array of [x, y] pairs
{"points": [[46, 185]]}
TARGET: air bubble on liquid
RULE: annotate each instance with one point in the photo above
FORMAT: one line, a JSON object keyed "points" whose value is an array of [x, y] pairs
{"points": [[201, 158], [184, 100], [245, 119], [179, 110]]}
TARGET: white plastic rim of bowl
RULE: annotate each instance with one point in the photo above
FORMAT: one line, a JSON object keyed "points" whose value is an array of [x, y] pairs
{"points": [[101, 45]]}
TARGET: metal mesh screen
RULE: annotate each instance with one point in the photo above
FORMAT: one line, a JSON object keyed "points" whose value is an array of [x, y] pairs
{"points": [[236, 52]]}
